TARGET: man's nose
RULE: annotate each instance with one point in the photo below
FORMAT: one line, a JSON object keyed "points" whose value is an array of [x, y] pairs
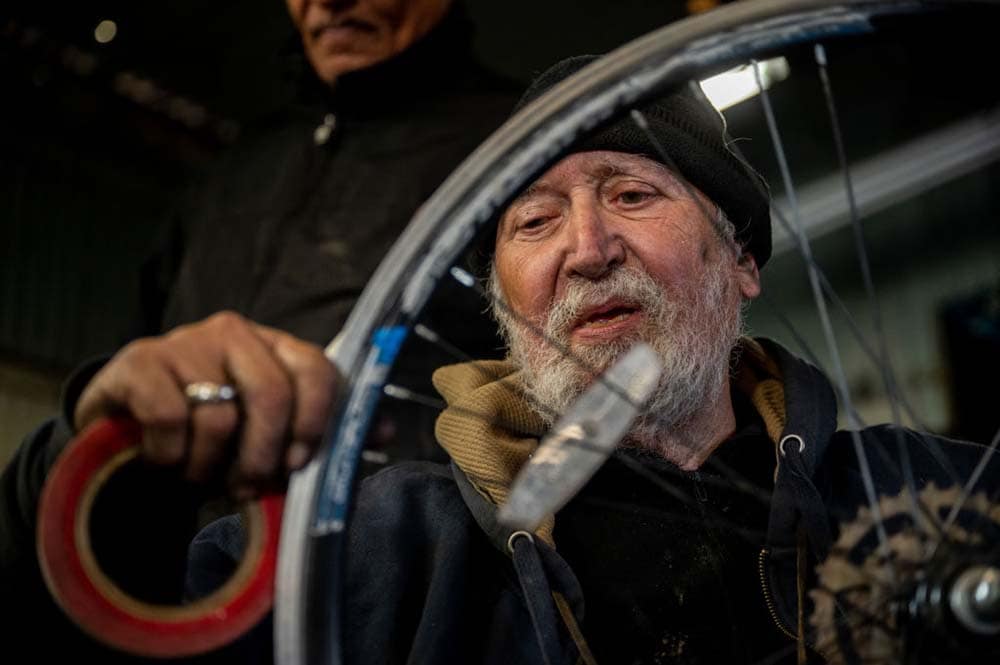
{"points": [[595, 248]]}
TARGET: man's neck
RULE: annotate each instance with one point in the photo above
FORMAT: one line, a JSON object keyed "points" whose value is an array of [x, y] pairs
{"points": [[690, 444]]}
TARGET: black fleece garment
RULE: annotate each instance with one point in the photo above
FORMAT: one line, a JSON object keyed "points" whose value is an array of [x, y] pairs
{"points": [[141, 523], [668, 559], [288, 231]]}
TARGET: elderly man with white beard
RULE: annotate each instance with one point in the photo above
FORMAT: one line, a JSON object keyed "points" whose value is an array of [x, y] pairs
{"points": [[615, 244], [695, 542], [628, 256]]}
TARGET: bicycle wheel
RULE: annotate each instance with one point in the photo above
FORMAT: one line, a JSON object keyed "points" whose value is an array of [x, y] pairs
{"points": [[856, 619]]}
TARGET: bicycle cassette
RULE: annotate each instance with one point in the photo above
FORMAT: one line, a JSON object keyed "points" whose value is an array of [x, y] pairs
{"points": [[925, 595]]}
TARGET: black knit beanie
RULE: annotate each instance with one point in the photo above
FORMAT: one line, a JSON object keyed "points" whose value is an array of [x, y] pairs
{"points": [[693, 134]]}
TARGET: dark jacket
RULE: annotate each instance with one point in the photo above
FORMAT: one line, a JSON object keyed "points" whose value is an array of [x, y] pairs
{"points": [[434, 578], [294, 220], [34, 629]]}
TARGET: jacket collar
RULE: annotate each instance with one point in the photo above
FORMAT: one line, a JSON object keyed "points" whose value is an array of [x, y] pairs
{"points": [[441, 60], [810, 404], [810, 409], [489, 432]]}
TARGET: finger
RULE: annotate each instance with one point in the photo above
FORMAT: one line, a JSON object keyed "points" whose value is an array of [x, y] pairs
{"points": [[267, 398], [314, 382], [200, 355], [212, 434], [138, 381]]}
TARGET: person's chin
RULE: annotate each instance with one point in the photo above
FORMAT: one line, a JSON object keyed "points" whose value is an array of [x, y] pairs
{"points": [[330, 65]]}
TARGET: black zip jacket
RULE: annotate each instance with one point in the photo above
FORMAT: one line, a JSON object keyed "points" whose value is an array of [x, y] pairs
{"points": [[293, 221], [434, 578]]}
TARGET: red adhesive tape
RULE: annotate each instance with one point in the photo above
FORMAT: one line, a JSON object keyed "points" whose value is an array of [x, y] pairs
{"points": [[97, 604]]}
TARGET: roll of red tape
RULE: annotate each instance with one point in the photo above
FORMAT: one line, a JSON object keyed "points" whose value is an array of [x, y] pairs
{"points": [[97, 604]]}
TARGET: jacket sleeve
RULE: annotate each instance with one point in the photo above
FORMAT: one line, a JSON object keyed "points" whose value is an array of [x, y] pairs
{"points": [[21, 485], [27, 605], [141, 528], [22, 480], [139, 517]]}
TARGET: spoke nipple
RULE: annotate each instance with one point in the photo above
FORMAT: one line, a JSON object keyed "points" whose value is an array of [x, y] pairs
{"points": [[639, 119], [426, 333], [463, 277], [398, 392], [820, 54]]}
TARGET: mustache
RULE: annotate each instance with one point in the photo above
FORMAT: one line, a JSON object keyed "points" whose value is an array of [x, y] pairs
{"points": [[626, 284]]}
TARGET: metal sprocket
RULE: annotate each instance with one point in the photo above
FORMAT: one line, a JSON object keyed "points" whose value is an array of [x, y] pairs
{"points": [[891, 604]]}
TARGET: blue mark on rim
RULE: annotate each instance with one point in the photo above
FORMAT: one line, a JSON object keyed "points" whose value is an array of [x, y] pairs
{"points": [[341, 463], [388, 341]]}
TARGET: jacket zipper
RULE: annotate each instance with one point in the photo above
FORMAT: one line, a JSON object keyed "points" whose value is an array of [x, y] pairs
{"points": [[770, 605], [767, 596]]}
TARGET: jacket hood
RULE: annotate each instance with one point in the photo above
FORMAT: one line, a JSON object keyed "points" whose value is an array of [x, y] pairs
{"points": [[810, 409]]}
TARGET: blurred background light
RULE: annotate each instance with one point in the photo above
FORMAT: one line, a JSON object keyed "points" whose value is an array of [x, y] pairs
{"points": [[736, 85], [105, 31]]}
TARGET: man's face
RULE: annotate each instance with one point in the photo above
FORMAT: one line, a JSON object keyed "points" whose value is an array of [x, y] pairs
{"points": [[610, 248], [340, 36]]}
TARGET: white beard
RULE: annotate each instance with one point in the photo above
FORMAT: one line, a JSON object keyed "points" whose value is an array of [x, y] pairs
{"points": [[693, 333]]}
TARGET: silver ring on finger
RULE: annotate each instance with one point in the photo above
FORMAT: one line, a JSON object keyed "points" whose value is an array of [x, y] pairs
{"points": [[209, 392]]}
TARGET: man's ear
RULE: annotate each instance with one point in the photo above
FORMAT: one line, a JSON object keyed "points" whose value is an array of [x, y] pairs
{"points": [[748, 276]]}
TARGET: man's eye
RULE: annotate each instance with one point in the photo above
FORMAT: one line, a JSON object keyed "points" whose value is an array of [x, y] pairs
{"points": [[634, 196], [532, 223]]}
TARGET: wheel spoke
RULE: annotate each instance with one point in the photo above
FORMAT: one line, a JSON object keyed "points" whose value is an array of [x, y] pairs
{"points": [[840, 376], [970, 485], [884, 361]]}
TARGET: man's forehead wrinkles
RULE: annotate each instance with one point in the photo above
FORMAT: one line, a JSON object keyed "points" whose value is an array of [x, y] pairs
{"points": [[593, 173], [534, 190], [629, 165], [605, 170]]}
